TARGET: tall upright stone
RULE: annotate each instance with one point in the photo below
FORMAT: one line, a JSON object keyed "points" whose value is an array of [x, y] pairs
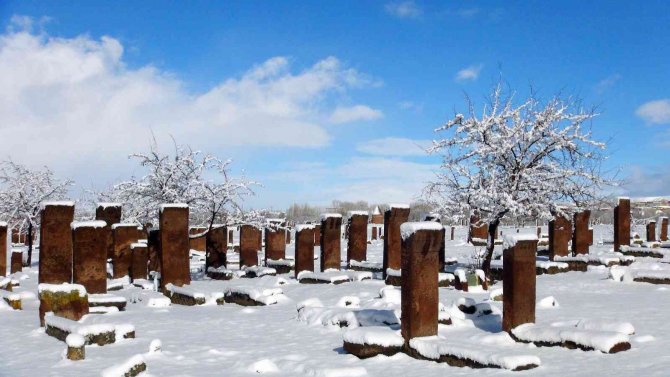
{"points": [[123, 235], [140, 261], [304, 248], [154, 247], [89, 245], [288, 236], [560, 232], [663, 236], [173, 223], [249, 235], [452, 233], [275, 243], [230, 236], [419, 290], [357, 244], [110, 213], [518, 280], [622, 224], [217, 246], [197, 240], [16, 261], [377, 217], [317, 235], [3, 248], [580, 236], [55, 265], [374, 233], [331, 227], [396, 215], [478, 231], [651, 231]]}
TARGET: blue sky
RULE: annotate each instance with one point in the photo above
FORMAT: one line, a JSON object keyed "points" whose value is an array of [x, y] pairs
{"points": [[320, 100]]}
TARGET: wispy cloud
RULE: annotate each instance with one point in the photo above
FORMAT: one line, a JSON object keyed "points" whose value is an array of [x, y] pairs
{"points": [[655, 112], [405, 9], [606, 83], [354, 113], [394, 146], [470, 73], [409, 105]]}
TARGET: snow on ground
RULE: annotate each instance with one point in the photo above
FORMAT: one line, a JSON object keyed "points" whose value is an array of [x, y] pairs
{"points": [[232, 340]]}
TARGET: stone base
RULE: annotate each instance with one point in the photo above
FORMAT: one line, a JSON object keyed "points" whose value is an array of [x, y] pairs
{"points": [[394, 280], [181, 299], [364, 351], [462, 362], [241, 299], [652, 280], [577, 266], [642, 254], [119, 305], [15, 303], [100, 339], [553, 270], [619, 347], [281, 268], [218, 275], [75, 353], [318, 281]]}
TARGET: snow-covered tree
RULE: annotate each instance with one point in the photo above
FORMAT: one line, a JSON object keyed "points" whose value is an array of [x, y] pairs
{"points": [[200, 180], [22, 192], [525, 160]]}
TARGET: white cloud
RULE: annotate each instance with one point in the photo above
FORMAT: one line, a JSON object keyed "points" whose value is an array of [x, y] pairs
{"points": [[606, 83], [646, 181], [655, 112], [409, 105], [405, 9], [354, 113], [394, 146], [469, 73], [74, 102]]}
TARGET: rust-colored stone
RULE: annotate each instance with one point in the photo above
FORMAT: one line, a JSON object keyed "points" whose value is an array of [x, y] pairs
{"points": [[175, 266], [3, 249], [230, 236], [664, 229], [452, 233], [651, 231], [304, 249], [123, 235], [519, 284], [374, 233], [331, 227], [317, 235], [590, 237], [392, 248], [560, 232], [70, 304], [580, 236], [16, 262], [357, 244], [154, 249], [89, 243], [377, 218], [55, 265], [478, 230], [140, 261], [217, 246], [249, 249], [197, 243], [275, 244], [622, 224], [288, 236], [111, 214], [419, 292]]}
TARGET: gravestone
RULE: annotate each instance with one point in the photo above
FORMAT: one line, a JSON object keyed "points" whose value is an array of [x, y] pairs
{"points": [[154, 248], [173, 224], [331, 227], [357, 244], [664, 229], [396, 215], [249, 249], [110, 213], [651, 231], [123, 235], [55, 264], [16, 261], [622, 224], [140, 261], [560, 232], [304, 248], [3, 248], [89, 245], [275, 244], [217, 246], [580, 236], [420, 245], [518, 281], [197, 243]]}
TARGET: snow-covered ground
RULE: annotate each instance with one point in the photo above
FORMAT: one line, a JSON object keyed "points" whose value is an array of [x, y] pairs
{"points": [[231, 340]]}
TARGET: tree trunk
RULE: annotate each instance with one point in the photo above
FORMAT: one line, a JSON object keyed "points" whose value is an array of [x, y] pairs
{"points": [[490, 245], [30, 243]]}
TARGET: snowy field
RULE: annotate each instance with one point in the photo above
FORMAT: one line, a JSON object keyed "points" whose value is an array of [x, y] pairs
{"points": [[232, 340]]}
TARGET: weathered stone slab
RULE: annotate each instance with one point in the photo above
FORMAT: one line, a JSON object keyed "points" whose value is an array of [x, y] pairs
{"points": [[275, 243], [197, 243], [123, 236], [140, 261], [331, 227], [154, 247], [651, 231], [175, 267], [560, 232], [3, 248], [55, 264], [357, 244], [110, 213], [16, 261], [622, 224], [395, 216], [89, 241], [249, 246], [663, 236], [519, 269], [581, 235], [217, 246], [64, 300], [304, 248]]}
